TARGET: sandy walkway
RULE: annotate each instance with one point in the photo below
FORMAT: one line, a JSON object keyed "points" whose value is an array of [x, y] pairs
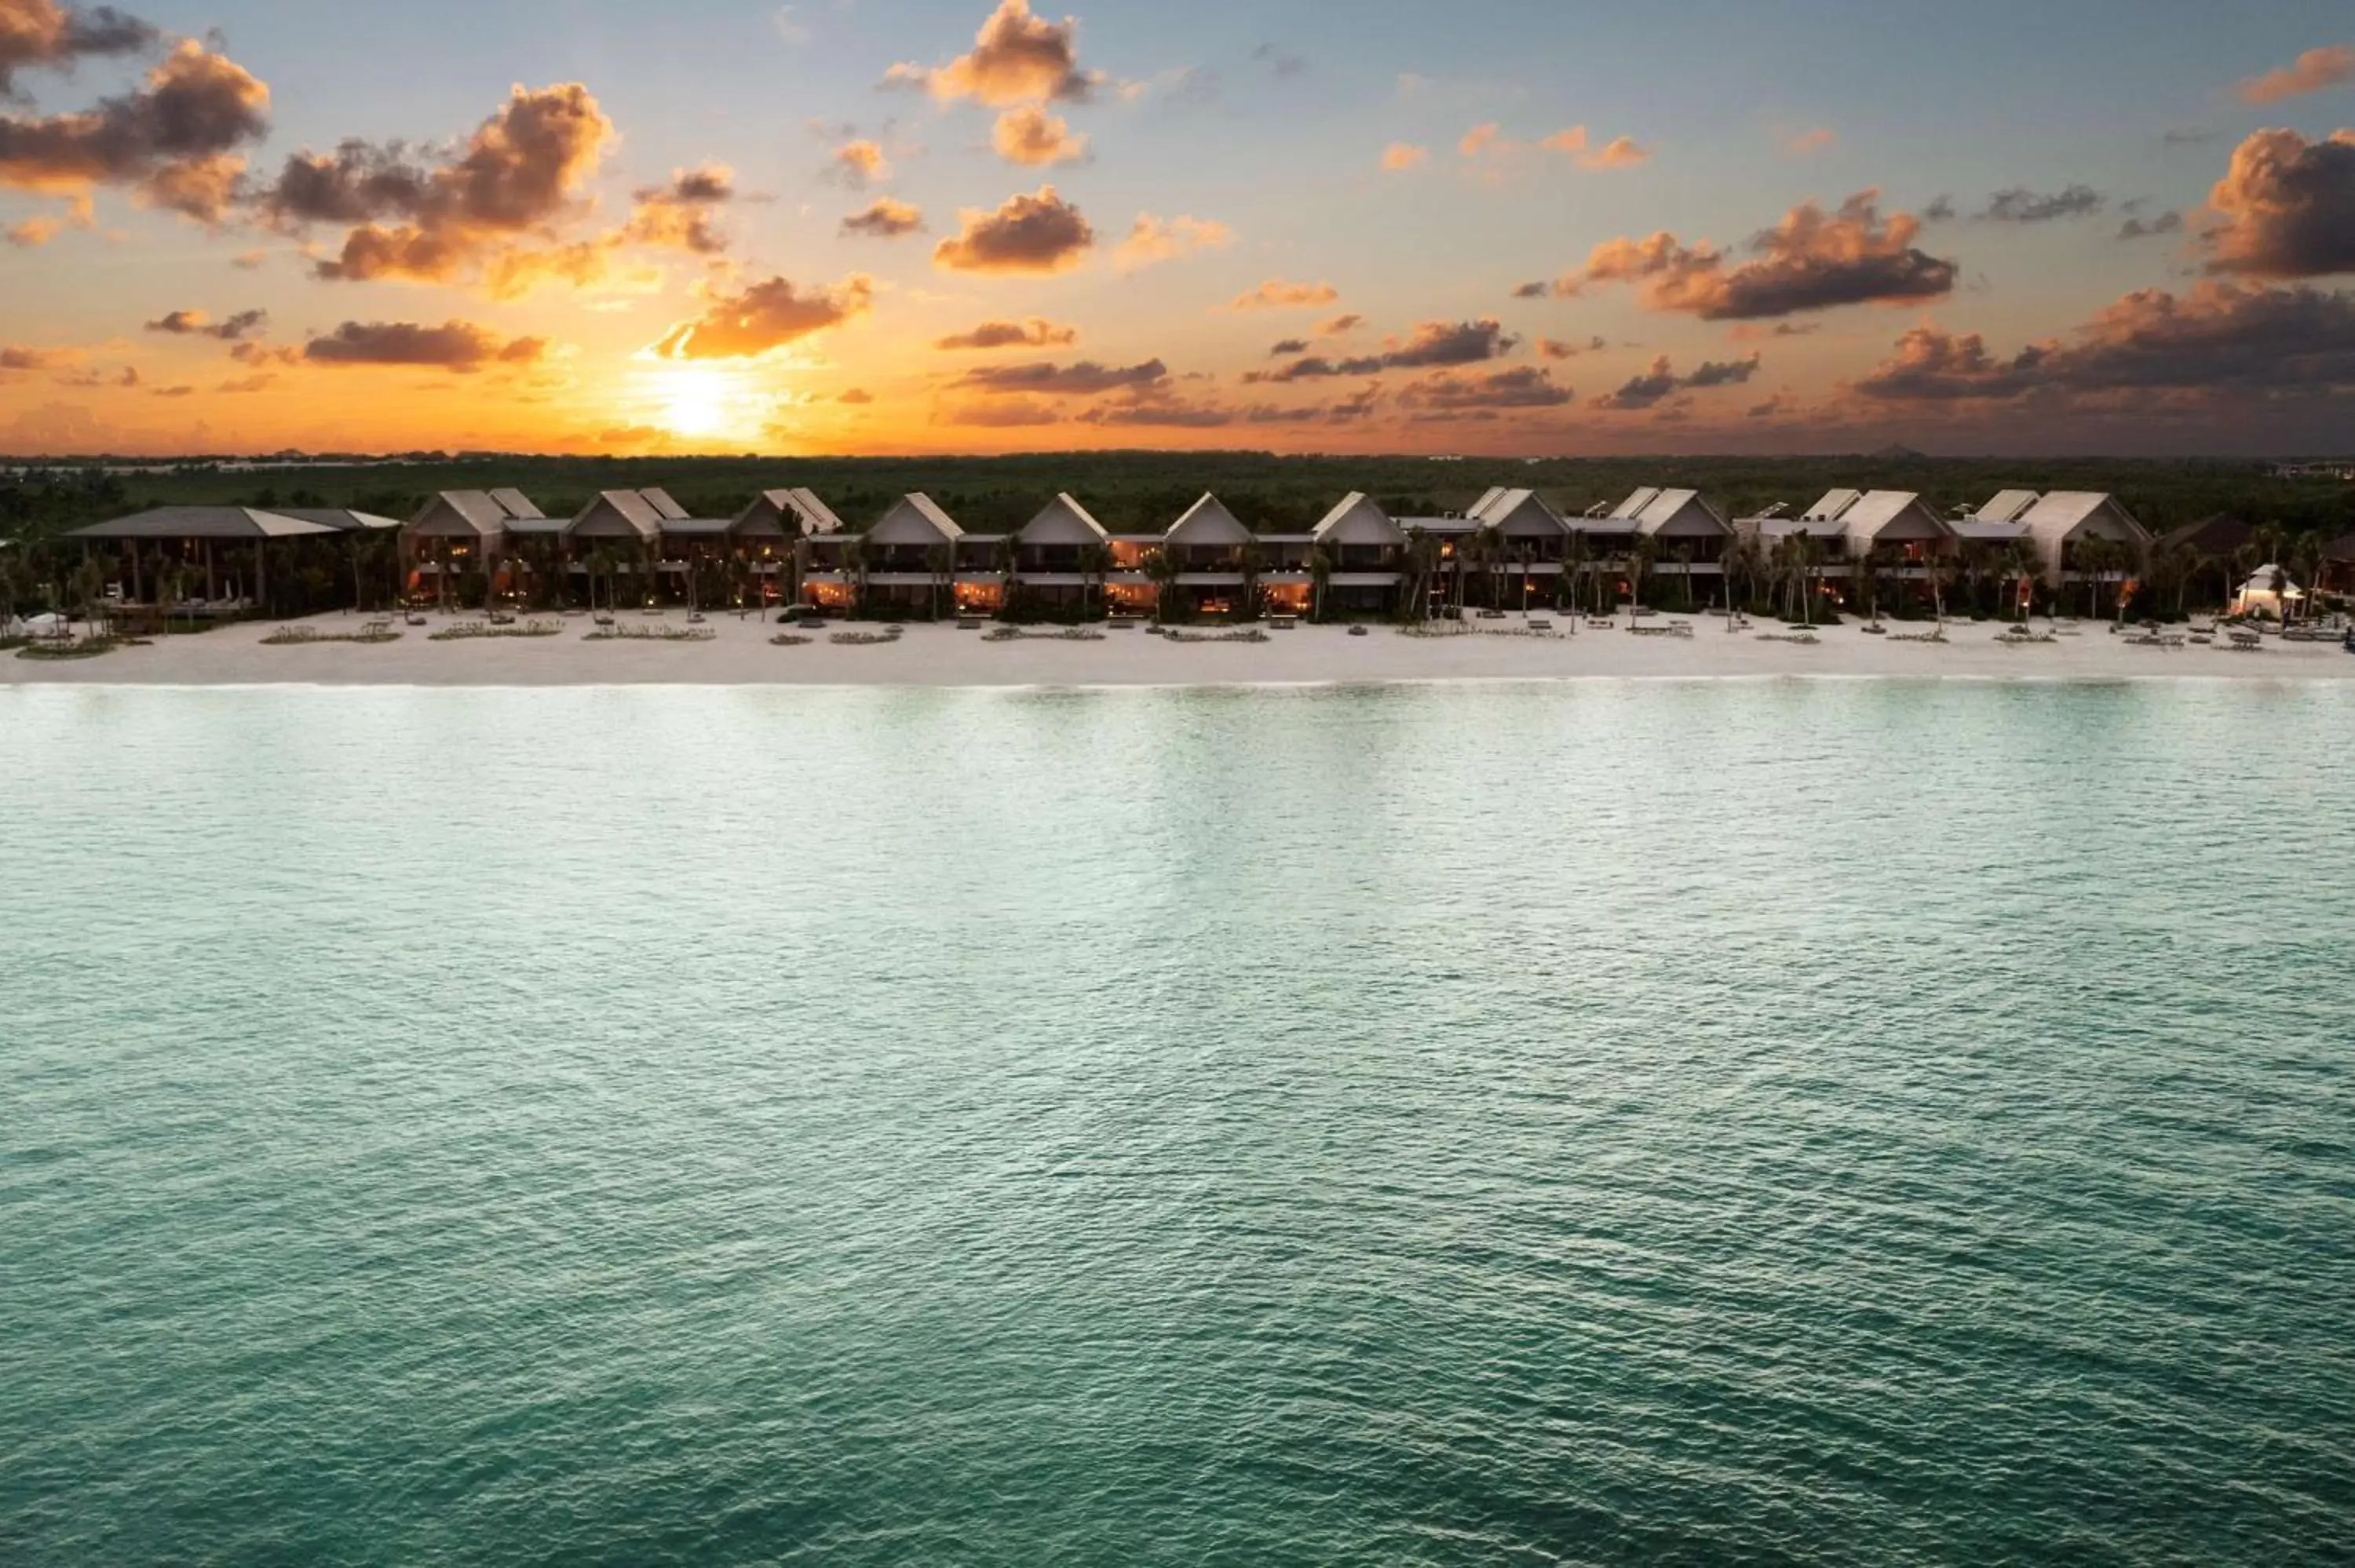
{"points": [[741, 653]]}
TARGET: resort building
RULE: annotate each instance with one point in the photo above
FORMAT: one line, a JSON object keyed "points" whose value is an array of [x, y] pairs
{"points": [[223, 550], [460, 531], [1686, 533], [1363, 555], [1210, 553], [907, 561], [1059, 556], [2081, 535]]}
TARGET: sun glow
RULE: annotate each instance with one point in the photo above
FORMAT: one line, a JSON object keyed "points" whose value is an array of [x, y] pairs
{"points": [[695, 400]]}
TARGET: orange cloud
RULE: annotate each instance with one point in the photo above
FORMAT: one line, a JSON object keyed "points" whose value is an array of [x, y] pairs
{"points": [[1619, 153], [454, 345], [522, 169], [1016, 58], [1810, 261], [2311, 72], [768, 315], [1480, 139], [885, 218], [1039, 234], [1808, 142], [1031, 136], [1275, 294], [1153, 240], [173, 140], [2286, 207], [859, 164], [1035, 333], [1400, 156]]}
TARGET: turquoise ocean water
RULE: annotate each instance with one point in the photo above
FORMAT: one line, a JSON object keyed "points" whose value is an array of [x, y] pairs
{"points": [[1809, 1122]]}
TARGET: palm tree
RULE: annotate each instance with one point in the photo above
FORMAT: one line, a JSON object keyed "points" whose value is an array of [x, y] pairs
{"points": [[1251, 558], [1639, 567], [1320, 568], [1095, 560], [1575, 556], [1684, 568], [854, 570], [1423, 553], [941, 561], [1162, 568]]}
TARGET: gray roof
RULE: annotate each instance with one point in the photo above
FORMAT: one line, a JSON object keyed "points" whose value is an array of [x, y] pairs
{"points": [[1984, 529], [479, 508], [204, 523], [515, 503], [669, 511], [2007, 505], [342, 519]]}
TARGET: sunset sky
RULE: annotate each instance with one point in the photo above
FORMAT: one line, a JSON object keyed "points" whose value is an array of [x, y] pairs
{"points": [[854, 226]]}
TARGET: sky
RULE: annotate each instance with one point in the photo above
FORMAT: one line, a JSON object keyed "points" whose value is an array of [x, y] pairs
{"points": [[843, 227]]}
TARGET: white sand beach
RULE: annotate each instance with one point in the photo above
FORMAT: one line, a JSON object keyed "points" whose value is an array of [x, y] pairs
{"points": [[739, 652]]}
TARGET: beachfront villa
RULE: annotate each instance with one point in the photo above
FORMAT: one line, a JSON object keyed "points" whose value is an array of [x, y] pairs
{"points": [[2079, 535], [1363, 558], [1207, 550]]}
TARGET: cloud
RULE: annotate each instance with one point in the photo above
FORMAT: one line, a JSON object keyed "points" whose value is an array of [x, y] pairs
{"points": [[1016, 58], [1480, 139], [991, 415], [678, 215], [454, 345], [1489, 142], [858, 165], [1751, 332], [1940, 210], [2219, 335], [858, 397], [264, 353], [1031, 136], [247, 384], [2285, 207], [1810, 261], [2021, 205], [1085, 378], [2311, 72], [174, 140], [184, 324], [1275, 294], [1619, 153], [1527, 386], [1432, 343], [789, 27], [1809, 142], [44, 34], [1153, 240], [16, 356], [1657, 383], [1340, 325], [884, 218], [1041, 233], [1554, 348], [523, 169], [1035, 332], [2165, 223], [1537, 290], [1279, 62], [765, 316], [1401, 156], [1289, 345]]}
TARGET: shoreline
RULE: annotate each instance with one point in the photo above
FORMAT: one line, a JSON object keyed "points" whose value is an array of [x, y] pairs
{"points": [[937, 655]]}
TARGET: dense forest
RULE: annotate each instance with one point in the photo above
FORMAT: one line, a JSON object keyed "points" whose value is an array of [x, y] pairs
{"points": [[1138, 491]]}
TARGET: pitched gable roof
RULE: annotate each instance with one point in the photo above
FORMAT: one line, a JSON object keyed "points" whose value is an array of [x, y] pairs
{"points": [[2006, 505], [1063, 521], [1208, 521], [1629, 510], [1686, 512], [1357, 520], [669, 511], [202, 523], [1832, 505], [515, 503]]}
